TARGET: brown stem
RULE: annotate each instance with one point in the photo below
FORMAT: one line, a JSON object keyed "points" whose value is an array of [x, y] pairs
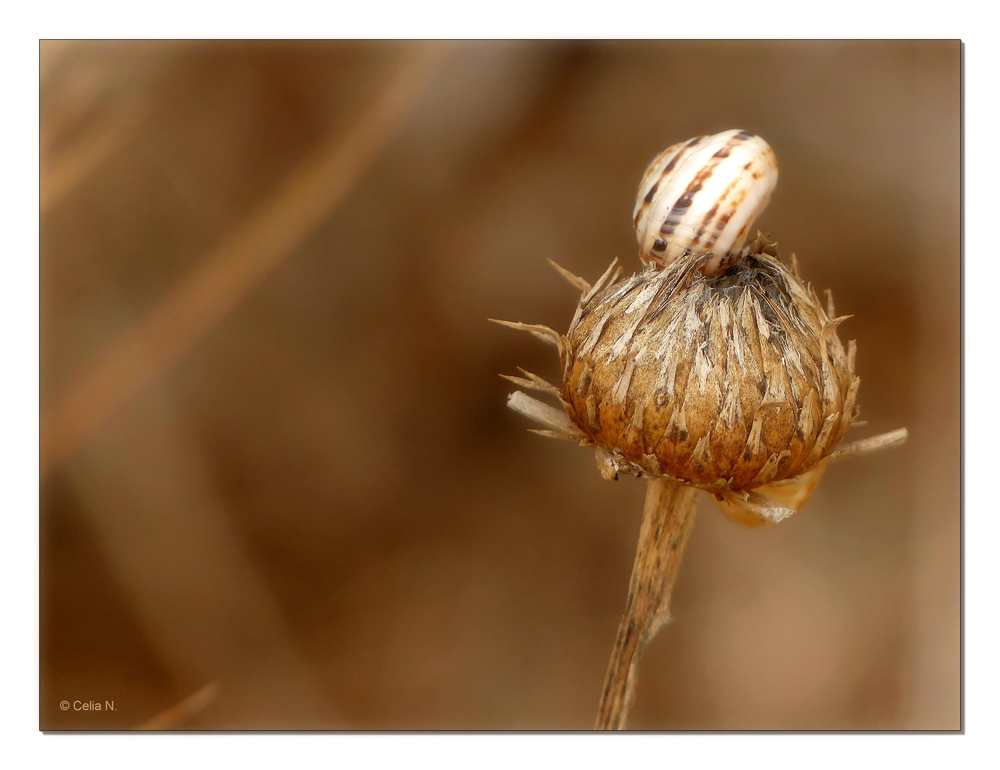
{"points": [[666, 525]]}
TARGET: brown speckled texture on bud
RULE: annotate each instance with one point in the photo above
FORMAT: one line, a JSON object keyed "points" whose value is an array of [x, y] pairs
{"points": [[728, 382]]}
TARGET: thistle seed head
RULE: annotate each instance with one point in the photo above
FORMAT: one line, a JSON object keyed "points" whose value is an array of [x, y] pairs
{"points": [[734, 381]]}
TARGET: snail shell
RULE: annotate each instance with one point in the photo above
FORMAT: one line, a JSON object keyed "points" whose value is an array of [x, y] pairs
{"points": [[701, 196]]}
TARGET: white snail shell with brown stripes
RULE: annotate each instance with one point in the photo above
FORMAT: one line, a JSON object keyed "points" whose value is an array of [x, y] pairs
{"points": [[701, 196]]}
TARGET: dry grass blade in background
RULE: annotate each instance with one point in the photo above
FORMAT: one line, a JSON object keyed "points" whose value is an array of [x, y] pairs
{"points": [[61, 174], [175, 716], [91, 106], [268, 236]]}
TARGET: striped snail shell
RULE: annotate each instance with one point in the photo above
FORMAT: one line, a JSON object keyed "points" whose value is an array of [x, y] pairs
{"points": [[701, 196]]}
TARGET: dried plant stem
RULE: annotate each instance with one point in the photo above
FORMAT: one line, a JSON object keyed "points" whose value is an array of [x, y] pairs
{"points": [[666, 525]]}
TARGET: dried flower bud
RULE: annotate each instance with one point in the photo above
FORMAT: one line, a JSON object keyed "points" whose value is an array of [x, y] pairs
{"points": [[737, 384], [729, 382]]}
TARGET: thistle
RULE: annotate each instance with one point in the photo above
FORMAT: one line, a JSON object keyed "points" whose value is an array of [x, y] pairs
{"points": [[714, 368]]}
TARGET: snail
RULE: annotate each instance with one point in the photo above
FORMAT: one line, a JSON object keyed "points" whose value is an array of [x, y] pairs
{"points": [[701, 196]]}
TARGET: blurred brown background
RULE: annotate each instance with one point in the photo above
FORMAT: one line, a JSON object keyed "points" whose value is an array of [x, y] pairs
{"points": [[276, 457]]}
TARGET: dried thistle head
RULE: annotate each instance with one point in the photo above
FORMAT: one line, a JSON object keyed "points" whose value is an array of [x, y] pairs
{"points": [[731, 381], [716, 369]]}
